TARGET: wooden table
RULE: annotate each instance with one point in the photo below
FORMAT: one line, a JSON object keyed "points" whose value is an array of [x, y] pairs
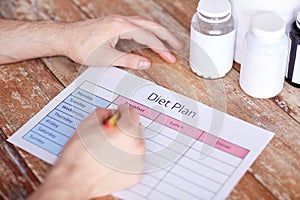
{"points": [[26, 87]]}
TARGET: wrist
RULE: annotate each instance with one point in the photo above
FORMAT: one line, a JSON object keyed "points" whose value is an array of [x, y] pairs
{"points": [[58, 39], [61, 184], [71, 40]]}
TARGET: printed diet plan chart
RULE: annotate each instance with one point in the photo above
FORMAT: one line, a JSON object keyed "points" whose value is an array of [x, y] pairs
{"points": [[193, 151]]}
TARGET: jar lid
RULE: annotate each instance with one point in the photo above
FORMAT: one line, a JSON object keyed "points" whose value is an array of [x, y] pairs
{"points": [[214, 11], [268, 26], [298, 20]]}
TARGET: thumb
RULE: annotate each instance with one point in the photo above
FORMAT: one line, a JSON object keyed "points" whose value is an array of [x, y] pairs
{"points": [[129, 122], [130, 60]]}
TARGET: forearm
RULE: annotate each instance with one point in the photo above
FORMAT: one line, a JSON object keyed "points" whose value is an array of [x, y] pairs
{"points": [[22, 40]]}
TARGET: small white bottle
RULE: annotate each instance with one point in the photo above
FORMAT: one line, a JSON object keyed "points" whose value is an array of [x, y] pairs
{"points": [[212, 39], [265, 56]]}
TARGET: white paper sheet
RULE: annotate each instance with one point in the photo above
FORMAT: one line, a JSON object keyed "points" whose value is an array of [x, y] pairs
{"points": [[193, 151]]}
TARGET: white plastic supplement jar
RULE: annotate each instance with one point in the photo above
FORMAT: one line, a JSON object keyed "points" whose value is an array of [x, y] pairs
{"points": [[212, 39], [265, 56]]}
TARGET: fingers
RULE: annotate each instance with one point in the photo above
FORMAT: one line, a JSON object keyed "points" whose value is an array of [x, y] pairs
{"points": [[149, 39], [149, 33], [128, 116], [103, 114], [113, 57], [129, 60], [159, 30], [128, 121]]}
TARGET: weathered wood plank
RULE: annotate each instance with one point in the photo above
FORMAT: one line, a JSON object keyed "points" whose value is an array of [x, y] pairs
{"points": [[243, 190], [289, 101], [181, 10], [29, 87], [269, 168], [39, 10], [65, 70], [17, 180], [278, 169], [96, 8], [23, 101]]}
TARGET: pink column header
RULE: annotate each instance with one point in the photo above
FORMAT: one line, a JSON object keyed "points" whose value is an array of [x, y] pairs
{"points": [[179, 126], [142, 110], [224, 145]]}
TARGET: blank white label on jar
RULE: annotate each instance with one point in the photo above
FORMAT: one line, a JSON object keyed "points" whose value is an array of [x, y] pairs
{"points": [[262, 76], [211, 56], [296, 71]]}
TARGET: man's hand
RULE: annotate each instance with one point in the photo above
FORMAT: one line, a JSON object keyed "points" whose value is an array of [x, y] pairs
{"points": [[93, 42], [97, 160]]}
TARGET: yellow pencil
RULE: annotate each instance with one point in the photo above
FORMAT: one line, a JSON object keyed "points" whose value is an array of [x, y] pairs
{"points": [[112, 121]]}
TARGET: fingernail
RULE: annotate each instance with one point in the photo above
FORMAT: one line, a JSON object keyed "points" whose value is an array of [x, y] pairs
{"points": [[144, 64], [171, 58]]}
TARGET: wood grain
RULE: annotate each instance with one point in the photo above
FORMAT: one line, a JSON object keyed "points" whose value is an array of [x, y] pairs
{"points": [[17, 176], [274, 175], [28, 86], [246, 184]]}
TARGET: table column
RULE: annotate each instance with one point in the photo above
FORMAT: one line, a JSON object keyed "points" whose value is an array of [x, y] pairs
{"points": [[55, 129]]}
